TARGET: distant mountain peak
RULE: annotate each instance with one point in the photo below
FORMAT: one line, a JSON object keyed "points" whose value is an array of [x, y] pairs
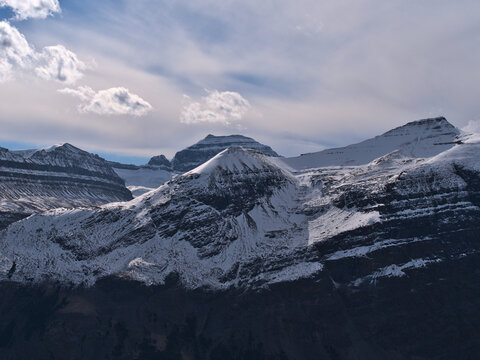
{"points": [[160, 160], [211, 145], [438, 119], [62, 147], [227, 137], [417, 139], [430, 124]]}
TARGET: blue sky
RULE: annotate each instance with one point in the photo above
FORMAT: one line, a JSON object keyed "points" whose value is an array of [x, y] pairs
{"points": [[299, 76]]}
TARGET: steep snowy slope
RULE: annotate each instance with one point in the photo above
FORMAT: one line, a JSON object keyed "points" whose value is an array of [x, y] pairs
{"points": [[423, 138], [241, 220], [61, 176], [207, 148], [204, 225]]}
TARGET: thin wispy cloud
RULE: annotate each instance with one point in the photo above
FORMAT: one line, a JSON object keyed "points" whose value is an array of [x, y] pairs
{"points": [[37, 9], [114, 101], [225, 108]]}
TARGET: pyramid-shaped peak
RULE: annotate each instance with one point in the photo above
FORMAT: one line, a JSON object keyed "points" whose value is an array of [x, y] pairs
{"points": [[236, 159], [64, 147], [195, 155]]}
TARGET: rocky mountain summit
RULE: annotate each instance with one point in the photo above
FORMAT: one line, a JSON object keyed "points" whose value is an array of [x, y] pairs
{"points": [[60, 176], [160, 161], [205, 149], [141, 179]]}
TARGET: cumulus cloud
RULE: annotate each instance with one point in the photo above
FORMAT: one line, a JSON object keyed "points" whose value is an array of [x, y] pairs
{"points": [[52, 63], [59, 64], [114, 101], [15, 52], [38, 9], [217, 107]]}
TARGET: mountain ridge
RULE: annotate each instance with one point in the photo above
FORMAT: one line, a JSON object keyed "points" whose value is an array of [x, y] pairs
{"points": [[223, 218], [434, 134], [60, 176]]}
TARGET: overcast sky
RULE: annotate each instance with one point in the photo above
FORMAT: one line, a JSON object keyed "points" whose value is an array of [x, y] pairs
{"points": [[134, 78]]}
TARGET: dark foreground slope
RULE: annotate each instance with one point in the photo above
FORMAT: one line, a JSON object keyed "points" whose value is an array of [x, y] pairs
{"points": [[427, 315]]}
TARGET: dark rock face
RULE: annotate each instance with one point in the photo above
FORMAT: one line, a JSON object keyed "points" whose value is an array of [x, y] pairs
{"points": [[62, 176], [207, 148], [9, 217], [160, 160], [427, 315]]}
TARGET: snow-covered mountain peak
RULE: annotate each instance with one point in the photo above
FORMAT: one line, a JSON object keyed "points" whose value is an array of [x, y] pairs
{"points": [[235, 159], [234, 180], [417, 139], [63, 147], [210, 146], [423, 128]]}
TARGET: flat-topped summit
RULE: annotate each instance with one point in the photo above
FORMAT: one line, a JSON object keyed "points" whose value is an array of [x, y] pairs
{"points": [[211, 145], [436, 126]]}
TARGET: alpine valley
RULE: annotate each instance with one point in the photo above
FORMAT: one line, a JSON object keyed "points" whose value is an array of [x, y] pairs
{"points": [[230, 251]]}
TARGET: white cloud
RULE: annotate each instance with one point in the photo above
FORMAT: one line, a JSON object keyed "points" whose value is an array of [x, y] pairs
{"points": [[217, 107], [52, 63], [114, 101], [59, 64], [38, 9], [15, 52]]}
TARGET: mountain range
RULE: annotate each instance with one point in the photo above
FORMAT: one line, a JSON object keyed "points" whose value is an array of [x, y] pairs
{"points": [[367, 251]]}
